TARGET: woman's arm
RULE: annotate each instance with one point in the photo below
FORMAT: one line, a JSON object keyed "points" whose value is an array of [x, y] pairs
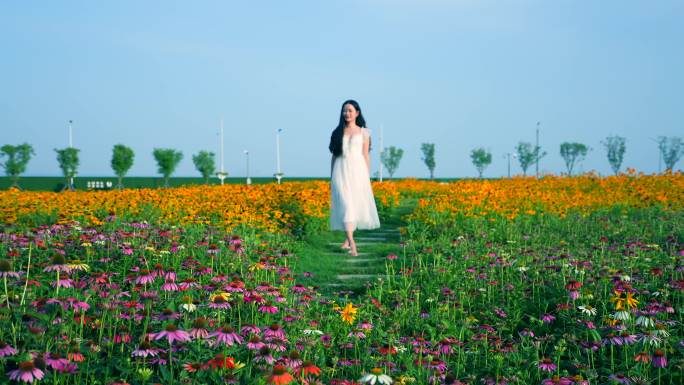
{"points": [[366, 145]]}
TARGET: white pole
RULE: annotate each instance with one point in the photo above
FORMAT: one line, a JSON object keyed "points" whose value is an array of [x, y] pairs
{"points": [[249, 180], [381, 150], [221, 145], [278, 150], [71, 145], [536, 163], [279, 174]]}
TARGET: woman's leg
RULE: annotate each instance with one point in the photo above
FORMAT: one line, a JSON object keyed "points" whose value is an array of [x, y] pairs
{"points": [[349, 227]]}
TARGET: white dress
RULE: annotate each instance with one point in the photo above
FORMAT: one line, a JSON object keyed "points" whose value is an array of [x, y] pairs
{"points": [[351, 195]]}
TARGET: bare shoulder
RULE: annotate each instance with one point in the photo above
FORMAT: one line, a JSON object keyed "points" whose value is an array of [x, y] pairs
{"points": [[366, 131]]}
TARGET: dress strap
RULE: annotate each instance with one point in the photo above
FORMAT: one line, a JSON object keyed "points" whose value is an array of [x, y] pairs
{"points": [[366, 132]]}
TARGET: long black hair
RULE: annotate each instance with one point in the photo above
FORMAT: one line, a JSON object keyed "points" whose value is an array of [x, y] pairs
{"points": [[335, 146]]}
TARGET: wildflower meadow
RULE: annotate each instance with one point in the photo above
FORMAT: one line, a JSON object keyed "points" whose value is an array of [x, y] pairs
{"points": [[556, 280]]}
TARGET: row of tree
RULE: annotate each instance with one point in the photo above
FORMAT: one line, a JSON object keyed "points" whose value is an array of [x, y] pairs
{"points": [[18, 157], [671, 149], [167, 159]]}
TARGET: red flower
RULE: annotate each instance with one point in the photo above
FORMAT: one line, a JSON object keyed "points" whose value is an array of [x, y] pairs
{"points": [[280, 376]]}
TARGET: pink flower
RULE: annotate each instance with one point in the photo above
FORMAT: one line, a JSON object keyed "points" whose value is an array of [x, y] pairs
{"points": [[547, 365], [6, 350], [26, 372], [659, 360], [172, 333], [226, 335]]}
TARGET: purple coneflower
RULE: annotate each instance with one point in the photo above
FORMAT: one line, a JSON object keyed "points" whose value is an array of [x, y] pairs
{"points": [[27, 372], [219, 302], [437, 365], [555, 380], [659, 360], [264, 355], [199, 329], [227, 336], [172, 333], [294, 360], [144, 278], [548, 318], [167, 314], [6, 270], [254, 343], [613, 339], [169, 285], [145, 350], [54, 360], [268, 308], [547, 365], [58, 264], [6, 349], [274, 331], [249, 329]]}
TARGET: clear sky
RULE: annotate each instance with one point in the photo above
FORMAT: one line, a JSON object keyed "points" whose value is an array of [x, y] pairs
{"points": [[457, 73]]}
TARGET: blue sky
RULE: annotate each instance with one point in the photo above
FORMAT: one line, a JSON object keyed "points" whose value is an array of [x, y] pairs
{"points": [[460, 74]]}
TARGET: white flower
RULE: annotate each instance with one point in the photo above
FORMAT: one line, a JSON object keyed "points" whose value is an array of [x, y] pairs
{"points": [[588, 309], [523, 268], [376, 376], [189, 307], [626, 278], [312, 331], [645, 321], [621, 315]]}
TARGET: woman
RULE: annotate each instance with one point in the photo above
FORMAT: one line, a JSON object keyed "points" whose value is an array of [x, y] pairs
{"points": [[352, 206]]}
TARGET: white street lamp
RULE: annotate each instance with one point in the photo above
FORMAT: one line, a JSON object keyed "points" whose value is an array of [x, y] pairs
{"points": [[278, 174], [536, 150], [71, 145], [249, 180], [221, 174]]}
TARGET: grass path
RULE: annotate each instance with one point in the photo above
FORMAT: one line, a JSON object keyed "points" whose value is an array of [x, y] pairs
{"points": [[335, 272]]}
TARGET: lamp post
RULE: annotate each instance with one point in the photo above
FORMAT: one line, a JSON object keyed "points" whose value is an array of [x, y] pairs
{"points": [[221, 174], [71, 145], [381, 150], [508, 155], [249, 180], [536, 152], [278, 175]]}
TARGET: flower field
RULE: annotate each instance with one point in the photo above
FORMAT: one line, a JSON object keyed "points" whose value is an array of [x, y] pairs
{"points": [[516, 281]]}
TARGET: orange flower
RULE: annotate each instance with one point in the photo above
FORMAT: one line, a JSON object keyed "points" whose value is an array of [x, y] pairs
{"points": [[309, 368], [280, 376]]}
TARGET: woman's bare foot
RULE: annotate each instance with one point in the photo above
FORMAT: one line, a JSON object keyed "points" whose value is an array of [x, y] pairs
{"points": [[352, 250], [345, 245]]}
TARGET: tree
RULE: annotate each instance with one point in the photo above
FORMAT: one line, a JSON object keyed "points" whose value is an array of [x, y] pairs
{"points": [[17, 159], [671, 149], [572, 154], [204, 163], [390, 158], [122, 160], [167, 160], [68, 162], [481, 159], [615, 146], [429, 157], [528, 155]]}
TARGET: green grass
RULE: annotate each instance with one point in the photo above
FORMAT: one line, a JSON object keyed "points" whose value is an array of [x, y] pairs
{"points": [[321, 255]]}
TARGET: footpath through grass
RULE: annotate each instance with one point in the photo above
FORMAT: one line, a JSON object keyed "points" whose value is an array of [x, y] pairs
{"points": [[335, 272]]}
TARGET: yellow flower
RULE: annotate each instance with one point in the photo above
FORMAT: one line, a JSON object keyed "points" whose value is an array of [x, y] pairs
{"points": [[349, 313], [222, 294], [619, 301], [631, 301]]}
